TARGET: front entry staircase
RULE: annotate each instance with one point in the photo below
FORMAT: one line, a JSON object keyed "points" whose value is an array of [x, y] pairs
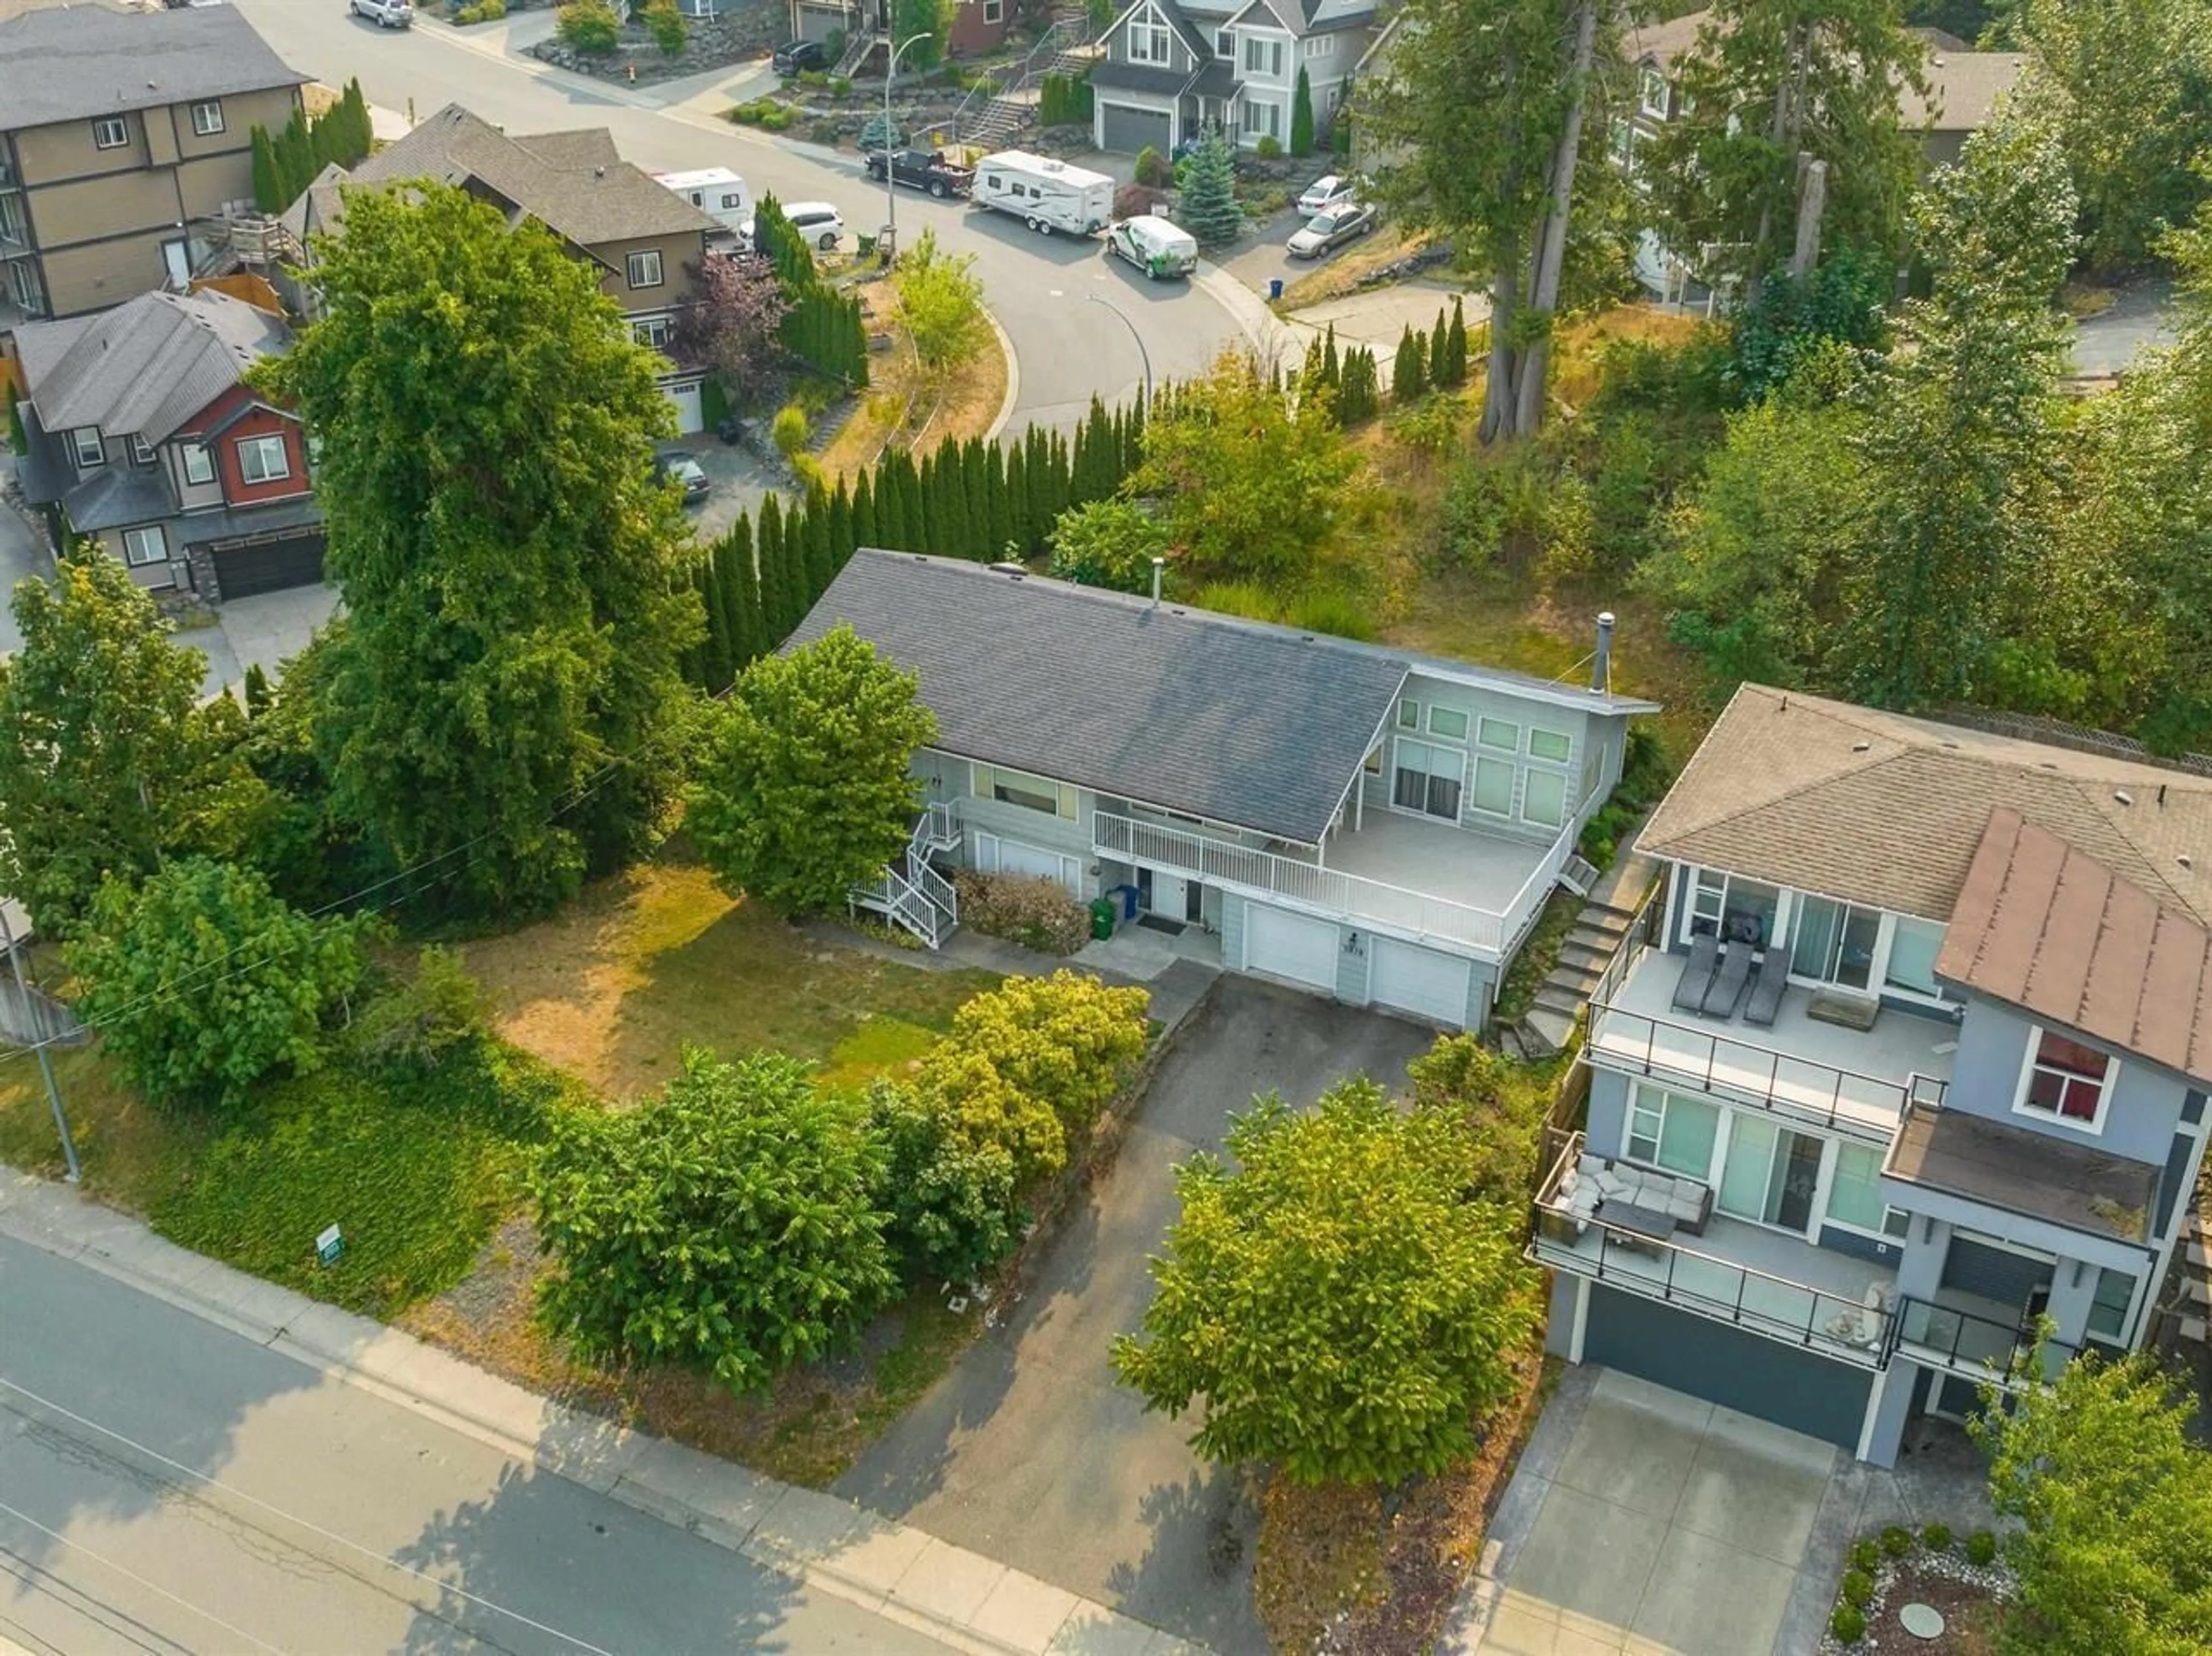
{"points": [[910, 892]]}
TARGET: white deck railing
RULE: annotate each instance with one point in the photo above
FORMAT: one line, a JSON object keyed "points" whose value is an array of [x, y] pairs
{"points": [[1221, 862]]}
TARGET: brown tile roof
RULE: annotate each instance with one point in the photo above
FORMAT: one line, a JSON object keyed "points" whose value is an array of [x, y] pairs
{"points": [[2044, 926], [1883, 809], [2076, 1185], [1963, 89]]}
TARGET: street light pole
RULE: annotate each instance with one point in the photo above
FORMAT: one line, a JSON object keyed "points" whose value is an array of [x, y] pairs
{"points": [[45, 1059], [1143, 356], [890, 184]]}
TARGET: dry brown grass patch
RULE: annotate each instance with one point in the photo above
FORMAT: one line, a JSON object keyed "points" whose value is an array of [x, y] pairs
{"points": [[901, 405]]}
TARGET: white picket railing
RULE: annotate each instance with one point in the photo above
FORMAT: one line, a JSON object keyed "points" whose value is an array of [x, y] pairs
{"points": [[1221, 862]]}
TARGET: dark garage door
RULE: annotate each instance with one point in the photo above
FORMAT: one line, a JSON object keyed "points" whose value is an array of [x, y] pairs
{"points": [[243, 568], [1739, 1371], [1125, 128]]}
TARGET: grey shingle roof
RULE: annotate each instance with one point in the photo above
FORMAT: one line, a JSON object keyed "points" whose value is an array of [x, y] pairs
{"points": [[197, 529], [119, 497], [569, 185], [147, 366], [1143, 78], [71, 63], [1887, 810], [1257, 727]]}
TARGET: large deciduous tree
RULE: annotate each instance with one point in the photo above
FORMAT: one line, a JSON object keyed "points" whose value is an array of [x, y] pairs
{"points": [[1477, 112], [805, 791], [202, 981], [1770, 80], [500, 708], [2114, 1504], [107, 760], [1341, 1307], [942, 299], [1959, 445], [728, 1224], [732, 320]]}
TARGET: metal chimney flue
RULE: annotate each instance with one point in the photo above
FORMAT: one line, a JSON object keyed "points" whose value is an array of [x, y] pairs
{"points": [[1601, 663], [1159, 573]]}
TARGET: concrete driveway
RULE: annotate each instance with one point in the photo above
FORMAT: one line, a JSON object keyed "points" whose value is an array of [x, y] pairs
{"points": [[21, 558], [1030, 1452], [267, 629]]}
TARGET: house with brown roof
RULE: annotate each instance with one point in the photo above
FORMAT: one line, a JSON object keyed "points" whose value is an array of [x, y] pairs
{"points": [[1910, 1049], [145, 435], [645, 241]]}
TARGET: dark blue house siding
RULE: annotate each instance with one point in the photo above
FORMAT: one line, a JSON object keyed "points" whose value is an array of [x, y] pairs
{"points": [[1753, 1376]]}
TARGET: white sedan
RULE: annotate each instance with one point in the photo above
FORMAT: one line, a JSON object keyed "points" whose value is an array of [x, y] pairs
{"points": [[1324, 193]]}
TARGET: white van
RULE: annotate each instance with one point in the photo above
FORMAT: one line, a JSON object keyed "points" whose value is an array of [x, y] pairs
{"points": [[1046, 195], [1158, 248], [714, 191]]}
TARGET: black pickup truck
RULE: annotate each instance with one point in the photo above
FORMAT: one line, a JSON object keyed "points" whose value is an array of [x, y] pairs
{"points": [[923, 169]]}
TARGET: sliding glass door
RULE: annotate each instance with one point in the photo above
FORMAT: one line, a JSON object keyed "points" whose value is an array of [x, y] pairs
{"points": [[1772, 1174], [1834, 943]]}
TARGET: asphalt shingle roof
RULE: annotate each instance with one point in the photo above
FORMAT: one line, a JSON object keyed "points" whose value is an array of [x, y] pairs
{"points": [[147, 366], [73, 63], [1254, 725], [570, 182], [1883, 809]]}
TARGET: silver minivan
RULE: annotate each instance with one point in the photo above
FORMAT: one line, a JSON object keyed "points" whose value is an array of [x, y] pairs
{"points": [[385, 14]]}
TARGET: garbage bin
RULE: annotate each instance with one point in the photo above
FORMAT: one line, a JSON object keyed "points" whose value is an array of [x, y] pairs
{"points": [[1102, 917], [1130, 897], [1274, 287]]}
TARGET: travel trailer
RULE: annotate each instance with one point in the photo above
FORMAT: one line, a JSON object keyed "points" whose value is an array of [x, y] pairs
{"points": [[716, 192], [1046, 195]]}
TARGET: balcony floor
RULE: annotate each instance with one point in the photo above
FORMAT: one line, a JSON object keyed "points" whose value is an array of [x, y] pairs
{"points": [[1738, 1054], [1462, 865]]}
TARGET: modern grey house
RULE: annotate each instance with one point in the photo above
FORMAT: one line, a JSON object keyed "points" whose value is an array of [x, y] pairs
{"points": [[1379, 827], [1173, 68], [1913, 1049]]}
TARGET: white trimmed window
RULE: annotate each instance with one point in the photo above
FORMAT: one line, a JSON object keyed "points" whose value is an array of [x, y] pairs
{"points": [[2065, 1080], [1913, 946], [645, 269], [654, 331], [1544, 797], [1449, 723], [1224, 44], [1652, 94], [207, 118], [1497, 734], [1855, 1194], [2109, 1305], [1549, 746], [199, 465], [1834, 943], [1263, 57], [1315, 46], [1494, 787], [1428, 779], [1409, 715], [994, 11], [145, 546], [1668, 1131], [1031, 792], [1148, 43], [1733, 908], [91, 453], [142, 452], [262, 459], [110, 132]]}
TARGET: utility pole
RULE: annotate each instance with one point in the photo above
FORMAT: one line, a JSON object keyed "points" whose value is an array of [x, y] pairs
{"points": [[890, 183], [45, 1059]]}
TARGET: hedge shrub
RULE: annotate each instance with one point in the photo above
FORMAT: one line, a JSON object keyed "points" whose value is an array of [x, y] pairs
{"points": [[1037, 913]]}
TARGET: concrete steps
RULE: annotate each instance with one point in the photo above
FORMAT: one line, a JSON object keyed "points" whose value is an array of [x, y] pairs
{"points": [[1588, 949]]}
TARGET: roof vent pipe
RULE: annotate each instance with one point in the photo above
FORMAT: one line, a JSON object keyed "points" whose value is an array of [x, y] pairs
{"points": [[1159, 572], [1601, 663]]}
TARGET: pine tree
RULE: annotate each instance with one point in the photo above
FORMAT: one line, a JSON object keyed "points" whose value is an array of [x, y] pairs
{"points": [[1409, 375], [296, 158], [259, 698], [842, 543], [1016, 488], [717, 660], [912, 504], [361, 130], [863, 531], [999, 519], [267, 177], [1456, 347], [977, 484], [1440, 353], [1037, 470], [1061, 480], [797, 601], [1133, 441], [948, 504], [1302, 116], [739, 583], [1332, 370], [818, 561], [1207, 205], [773, 603]]}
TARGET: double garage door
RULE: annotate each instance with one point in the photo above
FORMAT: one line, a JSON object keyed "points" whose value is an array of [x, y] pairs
{"points": [[1401, 976], [268, 563], [1127, 128]]}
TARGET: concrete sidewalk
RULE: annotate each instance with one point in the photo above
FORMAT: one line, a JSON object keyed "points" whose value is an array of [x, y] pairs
{"points": [[957, 1597]]}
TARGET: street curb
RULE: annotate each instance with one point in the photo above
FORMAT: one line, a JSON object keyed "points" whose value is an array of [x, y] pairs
{"points": [[1014, 379], [959, 1599]]}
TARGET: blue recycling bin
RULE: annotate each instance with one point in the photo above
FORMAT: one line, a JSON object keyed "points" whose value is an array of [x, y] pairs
{"points": [[1128, 894], [1274, 287]]}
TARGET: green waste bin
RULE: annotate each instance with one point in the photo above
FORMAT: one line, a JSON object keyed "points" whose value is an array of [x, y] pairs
{"points": [[1102, 916]]}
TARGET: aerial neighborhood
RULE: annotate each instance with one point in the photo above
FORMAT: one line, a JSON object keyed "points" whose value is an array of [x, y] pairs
{"points": [[1182, 827]]}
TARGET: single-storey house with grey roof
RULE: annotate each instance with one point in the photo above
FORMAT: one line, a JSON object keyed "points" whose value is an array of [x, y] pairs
{"points": [[1911, 1049], [1371, 824]]}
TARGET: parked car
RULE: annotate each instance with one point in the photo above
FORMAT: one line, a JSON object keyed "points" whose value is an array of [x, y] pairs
{"points": [[1153, 245], [385, 14], [1324, 193], [681, 465], [922, 170], [796, 55], [1331, 230], [817, 223]]}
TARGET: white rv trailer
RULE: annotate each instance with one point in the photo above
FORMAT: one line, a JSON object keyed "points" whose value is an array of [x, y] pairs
{"points": [[714, 191], [1046, 195]]}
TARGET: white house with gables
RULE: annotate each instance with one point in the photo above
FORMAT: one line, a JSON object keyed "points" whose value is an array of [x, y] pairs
{"points": [[1373, 825]]}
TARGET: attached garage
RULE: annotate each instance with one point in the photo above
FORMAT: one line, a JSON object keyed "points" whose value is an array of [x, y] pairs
{"points": [[994, 856], [685, 400], [1747, 1373], [268, 563], [1289, 945], [1125, 129], [1407, 977]]}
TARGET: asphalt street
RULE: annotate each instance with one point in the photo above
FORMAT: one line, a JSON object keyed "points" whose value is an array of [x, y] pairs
{"points": [[167, 1486], [21, 558], [1040, 289]]}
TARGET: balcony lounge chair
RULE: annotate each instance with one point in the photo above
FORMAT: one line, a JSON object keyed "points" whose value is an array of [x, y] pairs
{"points": [[1697, 972], [1727, 987], [1766, 986]]}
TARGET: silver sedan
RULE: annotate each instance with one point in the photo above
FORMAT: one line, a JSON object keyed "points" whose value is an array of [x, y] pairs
{"points": [[1332, 229]]}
